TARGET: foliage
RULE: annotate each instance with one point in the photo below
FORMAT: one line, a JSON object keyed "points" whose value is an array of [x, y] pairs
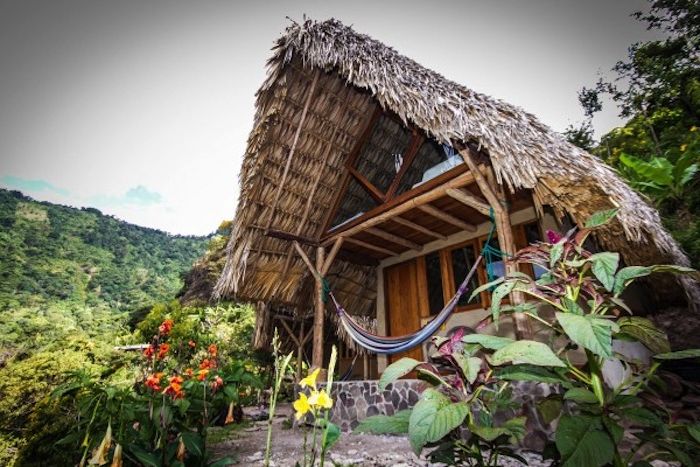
{"points": [[161, 418], [584, 290], [281, 364]]}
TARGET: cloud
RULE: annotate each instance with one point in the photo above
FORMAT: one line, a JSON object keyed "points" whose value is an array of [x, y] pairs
{"points": [[136, 196], [31, 186]]}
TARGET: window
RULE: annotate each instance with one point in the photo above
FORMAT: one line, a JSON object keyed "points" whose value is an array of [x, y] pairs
{"points": [[463, 259], [433, 277], [431, 160], [356, 202]]}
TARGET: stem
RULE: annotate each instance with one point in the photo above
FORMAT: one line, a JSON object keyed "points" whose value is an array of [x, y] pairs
{"points": [[305, 456], [540, 320], [313, 442]]}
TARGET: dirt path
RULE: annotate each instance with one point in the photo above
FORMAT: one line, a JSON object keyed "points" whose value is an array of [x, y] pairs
{"points": [[247, 446]]}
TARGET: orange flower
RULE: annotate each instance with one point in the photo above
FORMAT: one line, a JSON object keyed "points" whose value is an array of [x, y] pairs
{"points": [[162, 351], [166, 326], [189, 372], [153, 381], [148, 352], [217, 383], [201, 374], [192, 344], [213, 350], [206, 363], [174, 389]]}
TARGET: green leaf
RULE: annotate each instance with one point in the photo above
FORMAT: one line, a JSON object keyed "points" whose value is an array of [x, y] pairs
{"points": [[642, 416], [487, 341], [614, 429], [555, 252], [396, 370], [146, 458], [581, 396], [604, 267], [589, 331], [194, 443], [515, 427], [433, 417], [550, 408], [529, 373], [385, 424], [487, 286], [582, 442], [470, 366], [673, 269], [600, 218], [626, 275], [644, 330], [694, 431], [525, 351], [332, 435], [679, 355], [223, 462], [498, 295]]}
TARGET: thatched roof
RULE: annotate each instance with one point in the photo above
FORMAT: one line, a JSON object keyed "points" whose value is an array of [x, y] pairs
{"points": [[356, 74]]}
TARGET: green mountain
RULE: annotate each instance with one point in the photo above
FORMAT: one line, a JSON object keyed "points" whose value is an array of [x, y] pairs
{"points": [[65, 270]]}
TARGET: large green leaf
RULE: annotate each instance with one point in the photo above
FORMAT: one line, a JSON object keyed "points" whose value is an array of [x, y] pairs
{"points": [[524, 351], [694, 431], [600, 218], [658, 171], [497, 297], [589, 331], [470, 366], [514, 427], [529, 373], [146, 458], [674, 269], [582, 442], [604, 267], [194, 443], [487, 341], [679, 355], [626, 275], [433, 417], [581, 396], [555, 252], [385, 424], [396, 370], [645, 332], [332, 435]]}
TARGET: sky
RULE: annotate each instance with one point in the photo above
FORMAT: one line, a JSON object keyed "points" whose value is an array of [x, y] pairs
{"points": [[142, 108]]}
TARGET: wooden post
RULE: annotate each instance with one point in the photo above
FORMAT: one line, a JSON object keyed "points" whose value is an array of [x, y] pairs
{"points": [[496, 198], [300, 351], [319, 311]]}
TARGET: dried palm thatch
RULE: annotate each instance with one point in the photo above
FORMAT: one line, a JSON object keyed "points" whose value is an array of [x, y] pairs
{"points": [[343, 76]]}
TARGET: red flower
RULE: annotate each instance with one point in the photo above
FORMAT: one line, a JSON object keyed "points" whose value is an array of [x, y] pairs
{"points": [[202, 374], [189, 372], [166, 326], [553, 237], [192, 344], [217, 383], [213, 350], [162, 351], [153, 381], [148, 352]]}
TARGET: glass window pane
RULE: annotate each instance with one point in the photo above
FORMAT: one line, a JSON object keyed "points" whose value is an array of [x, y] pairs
{"points": [[463, 259], [532, 235], [433, 159], [495, 266], [380, 158], [434, 279]]}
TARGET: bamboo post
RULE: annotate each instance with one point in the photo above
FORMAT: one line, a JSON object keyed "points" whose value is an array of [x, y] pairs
{"points": [[496, 198], [319, 312], [300, 351]]}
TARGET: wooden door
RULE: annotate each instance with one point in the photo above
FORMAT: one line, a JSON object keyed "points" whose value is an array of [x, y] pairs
{"points": [[403, 303]]}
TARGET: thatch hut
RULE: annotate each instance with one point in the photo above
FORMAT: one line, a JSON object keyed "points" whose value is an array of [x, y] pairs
{"points": [[385, 172]]}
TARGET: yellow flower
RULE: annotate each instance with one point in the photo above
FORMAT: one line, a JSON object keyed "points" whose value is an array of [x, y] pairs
{"points": [[321, 399], [310, 380], [684, 147], [301, 405]]}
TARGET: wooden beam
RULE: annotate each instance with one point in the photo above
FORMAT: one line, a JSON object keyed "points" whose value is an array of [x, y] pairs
{"points": [[289, 236], [319, 312], [293, 148], [369, 246], [410, 203], [446, 217], [470, 200], [373, 191], [497, 199], [418, 228], [331, 255], [393, 238], [290, 332], [305, 258], [416, 143]]}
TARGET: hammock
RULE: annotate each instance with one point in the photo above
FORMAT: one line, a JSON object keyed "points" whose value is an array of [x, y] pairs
{"points": [[391, 345]]}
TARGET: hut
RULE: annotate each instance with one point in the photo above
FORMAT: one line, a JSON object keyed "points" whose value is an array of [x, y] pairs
{"points": [[384, 174]]}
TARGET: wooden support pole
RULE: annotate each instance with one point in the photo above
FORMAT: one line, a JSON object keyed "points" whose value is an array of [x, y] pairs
{"points": [[470, 200], [300, 350], [331, 255], [319, 312], [418, 228], [446, 217], [506, 241]]}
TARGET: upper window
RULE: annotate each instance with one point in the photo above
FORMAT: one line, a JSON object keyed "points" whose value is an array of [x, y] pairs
{"points": [[431, 160]]}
